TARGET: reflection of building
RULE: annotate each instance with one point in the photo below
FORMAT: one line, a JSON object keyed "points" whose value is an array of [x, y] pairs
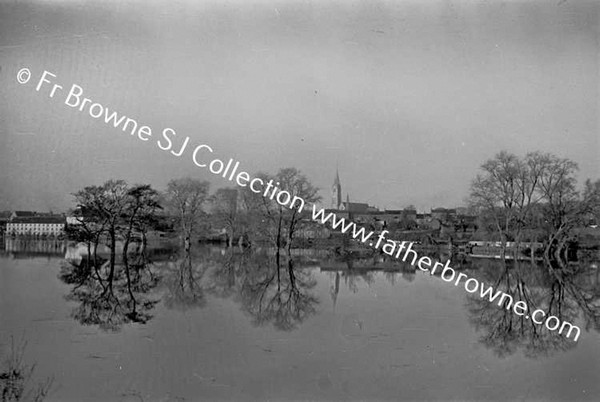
{"points": [[334, 289], [21, 247], [47, 225]]}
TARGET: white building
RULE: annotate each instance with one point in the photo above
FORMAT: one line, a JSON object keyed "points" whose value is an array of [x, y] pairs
{"points": [[36, 226]]}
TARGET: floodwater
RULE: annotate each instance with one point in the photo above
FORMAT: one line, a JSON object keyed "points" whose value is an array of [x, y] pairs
{"points": [[221, 325]]}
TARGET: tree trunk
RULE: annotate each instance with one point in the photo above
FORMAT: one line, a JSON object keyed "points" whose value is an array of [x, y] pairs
{"points": [[278, 237], [127, 274], [230, 239], [113, 245], [89, 255]]}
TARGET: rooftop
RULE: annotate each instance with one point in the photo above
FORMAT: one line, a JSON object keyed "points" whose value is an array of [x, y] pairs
{"points": [[39, 219]]}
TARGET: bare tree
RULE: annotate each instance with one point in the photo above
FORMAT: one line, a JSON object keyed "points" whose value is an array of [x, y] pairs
{"points": [[562, 207], [225, 210], [105, 205], [186, 198], [284, 221], [113, 203], [90, 226], [140, 206], [534, 192], [495, 192], [591, 196], [295, 183]]}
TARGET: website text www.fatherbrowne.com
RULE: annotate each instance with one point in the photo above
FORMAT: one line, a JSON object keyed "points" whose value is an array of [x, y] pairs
{"points": [[75, 99], [447, 273]]}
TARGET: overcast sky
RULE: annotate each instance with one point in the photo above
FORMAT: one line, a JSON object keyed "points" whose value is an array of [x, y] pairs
{"points": [[408, 98]]}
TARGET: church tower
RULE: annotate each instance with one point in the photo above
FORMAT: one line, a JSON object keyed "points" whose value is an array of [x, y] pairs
{"points": [[336, 192]]}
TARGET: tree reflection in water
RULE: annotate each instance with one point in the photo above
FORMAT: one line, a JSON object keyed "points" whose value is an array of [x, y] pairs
{"points": [[111, 301], [572, 295], [183, 282], [270, 288], [274, 288]]}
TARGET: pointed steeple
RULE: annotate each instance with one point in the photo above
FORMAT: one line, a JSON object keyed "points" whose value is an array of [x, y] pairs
{"points": [[336, 191]]}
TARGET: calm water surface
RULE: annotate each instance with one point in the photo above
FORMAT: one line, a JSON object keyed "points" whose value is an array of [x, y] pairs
{"points": [[333, 335]]}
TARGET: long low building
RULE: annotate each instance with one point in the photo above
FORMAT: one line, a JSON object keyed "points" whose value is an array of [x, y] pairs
{"points": [[36, 226]]}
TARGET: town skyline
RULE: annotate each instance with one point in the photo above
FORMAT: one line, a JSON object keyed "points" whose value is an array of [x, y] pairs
{"points": [[325, 193]]}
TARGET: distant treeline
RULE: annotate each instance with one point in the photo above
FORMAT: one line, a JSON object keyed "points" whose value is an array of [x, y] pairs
{"points": [[515, 199]]}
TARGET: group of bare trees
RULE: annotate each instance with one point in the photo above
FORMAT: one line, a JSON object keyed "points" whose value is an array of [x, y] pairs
{"points": [[524, 198], [116, 215], [111, 291], [186, 198], [249, 215], [109, 212]]}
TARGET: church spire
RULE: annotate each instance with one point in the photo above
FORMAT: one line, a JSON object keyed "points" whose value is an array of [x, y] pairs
{"points": [[336, 191]]}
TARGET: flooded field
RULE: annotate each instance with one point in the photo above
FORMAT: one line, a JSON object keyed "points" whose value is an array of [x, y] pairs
{"points": [[222, 325]]}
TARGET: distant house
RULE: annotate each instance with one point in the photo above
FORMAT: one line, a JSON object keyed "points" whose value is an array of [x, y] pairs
{"points": [[313, 232], [432, 224], [463, 211], [355, 207], [466, 223], [443, 214], [47, 225], [393, 213], [410, 214], [422, 219]]}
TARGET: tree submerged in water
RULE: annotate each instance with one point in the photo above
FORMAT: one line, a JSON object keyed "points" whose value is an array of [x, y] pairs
{"points": [[278, 223], [114, 291], [185, 199], [533, 198]]}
